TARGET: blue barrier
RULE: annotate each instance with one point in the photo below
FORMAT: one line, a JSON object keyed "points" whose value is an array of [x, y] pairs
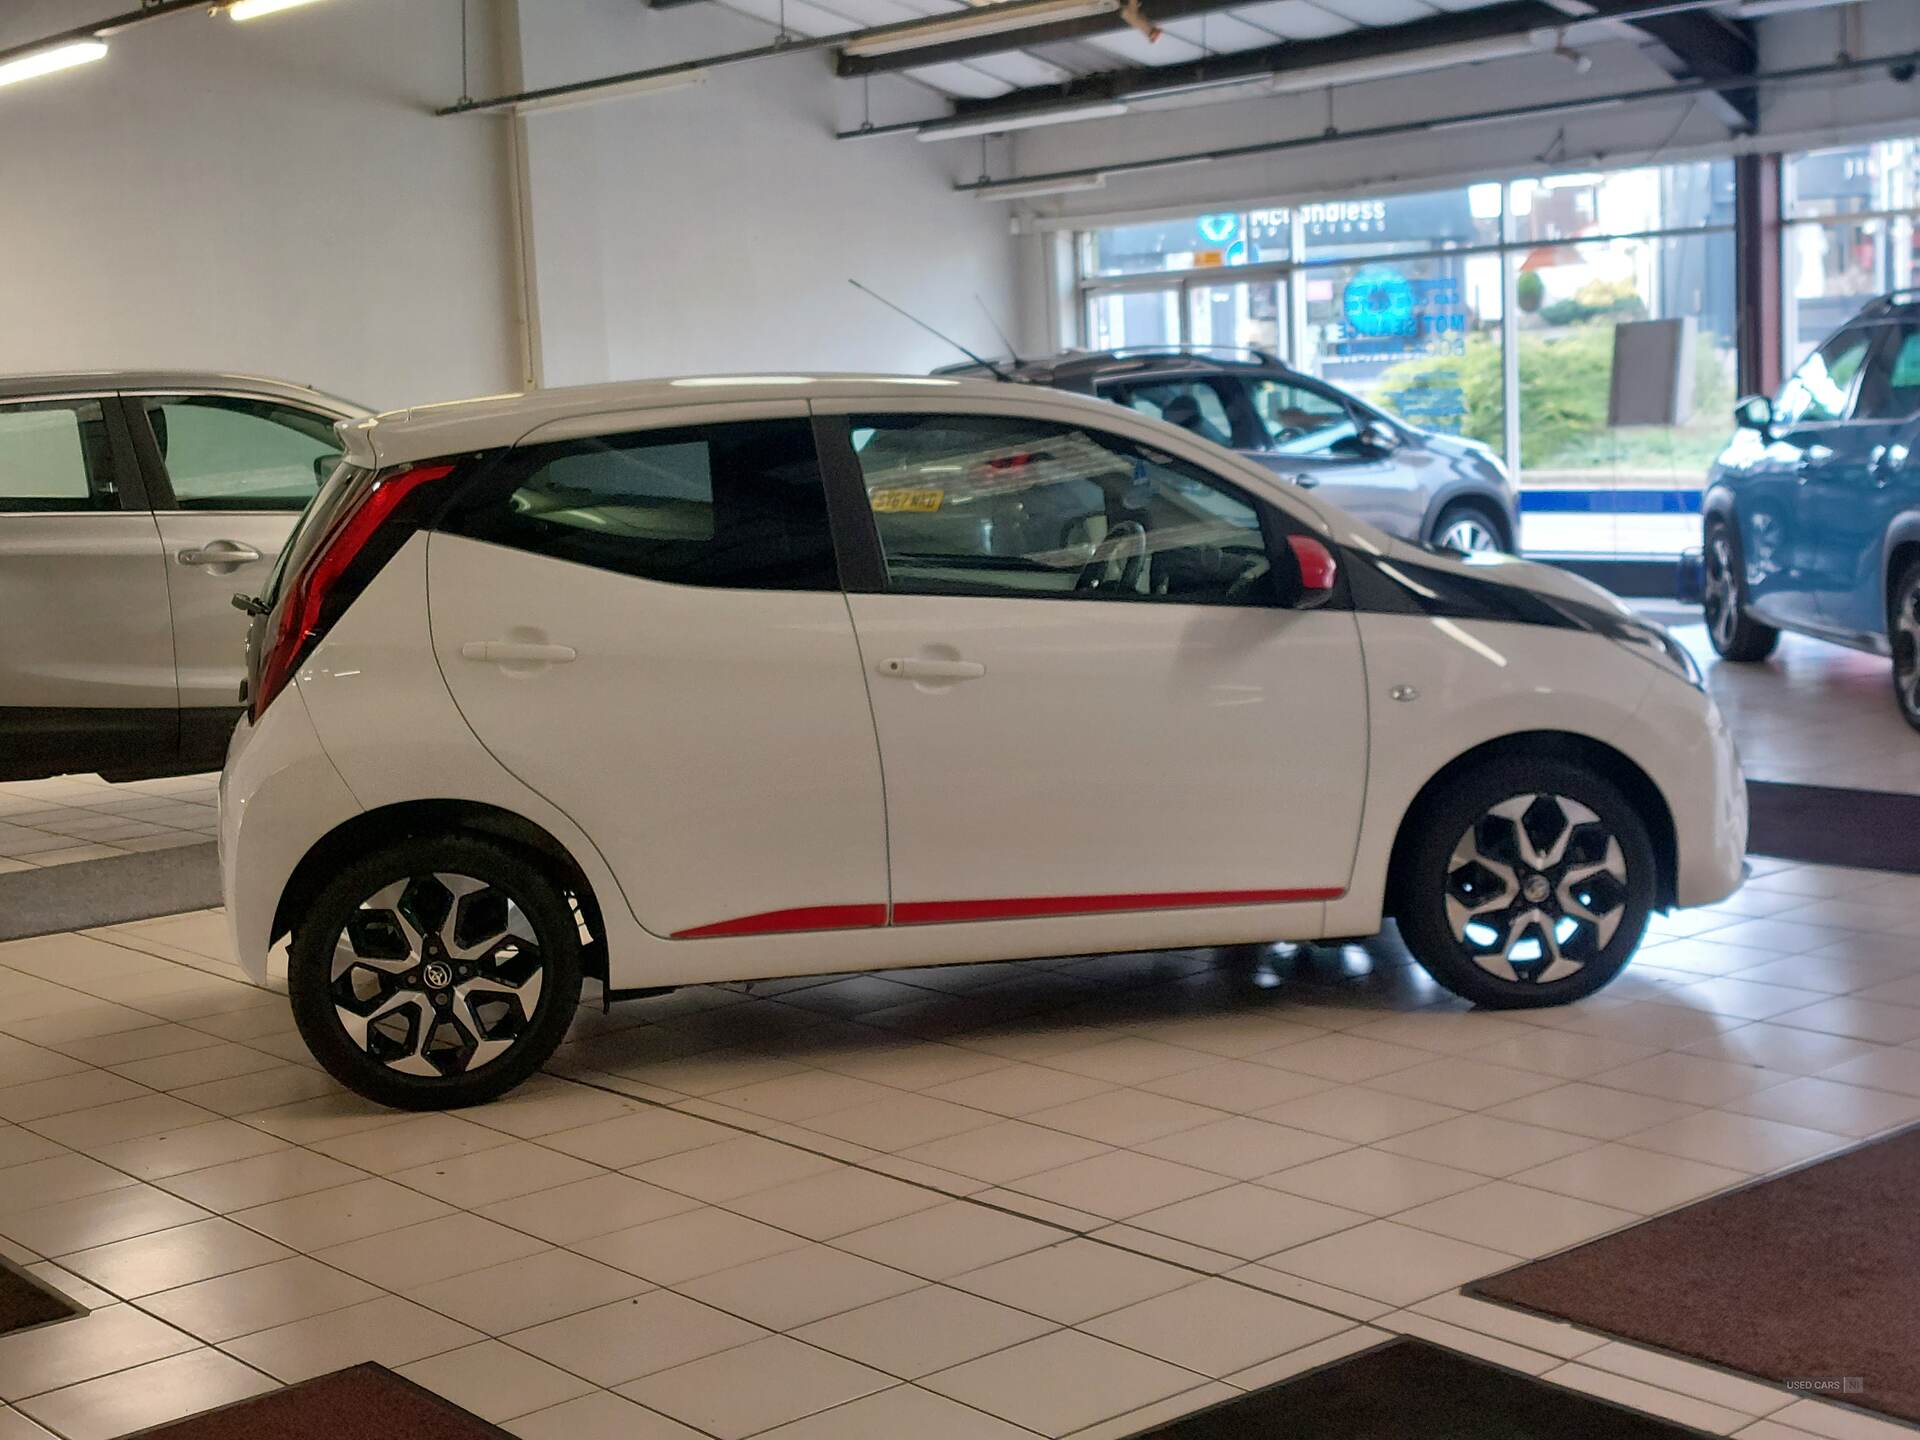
{"points": [[1610, 502]]}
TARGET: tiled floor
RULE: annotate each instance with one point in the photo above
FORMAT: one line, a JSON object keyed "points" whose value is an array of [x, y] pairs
{"points": [[82, 817], [1062, 1197]]}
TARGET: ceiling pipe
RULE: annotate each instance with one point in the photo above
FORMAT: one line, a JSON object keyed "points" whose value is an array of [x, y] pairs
{"points": [[1075, 178]]}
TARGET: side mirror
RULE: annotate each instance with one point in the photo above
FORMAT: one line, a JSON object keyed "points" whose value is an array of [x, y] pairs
{"points": [[1379, 438], [1754, 412], [1318, 572]]}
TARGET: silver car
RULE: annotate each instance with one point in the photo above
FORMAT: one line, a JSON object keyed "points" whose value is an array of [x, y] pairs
{"points": [[132, 507], [1418, 484]]}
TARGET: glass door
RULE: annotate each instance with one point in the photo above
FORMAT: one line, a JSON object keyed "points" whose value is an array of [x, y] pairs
{"points": [[1240, 315]]}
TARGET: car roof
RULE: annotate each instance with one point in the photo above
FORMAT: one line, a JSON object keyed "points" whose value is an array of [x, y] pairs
{"points": [[170, 382], [1075, 368], [1895, 304], [491, 421]]}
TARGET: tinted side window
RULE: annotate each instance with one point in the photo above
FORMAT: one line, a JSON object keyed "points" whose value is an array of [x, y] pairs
{"points": [[994, 505], [1200, 406], [739, 506], [1820, 388], [1890, 390], [1299, 421], [226, 453], [54, 456]]}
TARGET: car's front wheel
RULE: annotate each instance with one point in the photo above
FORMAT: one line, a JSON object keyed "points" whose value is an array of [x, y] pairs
{"points": [[1469, 527], [1735, 635], [437, 972], [1903, 635], [1528, 883]]}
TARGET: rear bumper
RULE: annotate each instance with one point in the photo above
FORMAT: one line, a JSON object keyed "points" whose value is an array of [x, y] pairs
{"points": [[279, 794]]}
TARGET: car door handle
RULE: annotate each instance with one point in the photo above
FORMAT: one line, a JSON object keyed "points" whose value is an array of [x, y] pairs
{"points": [[219, 552], [1306, 482], [518, 652], [916, 669]]}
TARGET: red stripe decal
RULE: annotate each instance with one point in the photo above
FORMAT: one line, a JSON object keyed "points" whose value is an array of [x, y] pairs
{"points": [[807, 917], [942, 912]]}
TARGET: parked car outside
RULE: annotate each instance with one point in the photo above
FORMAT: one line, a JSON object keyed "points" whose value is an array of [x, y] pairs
{"points": [[1812, 513], [1128, 690], [132, 506], [1416, 484]]}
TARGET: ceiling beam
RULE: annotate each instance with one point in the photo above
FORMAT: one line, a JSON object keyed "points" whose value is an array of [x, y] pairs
{"points": [[972, 47], [1700, 45], [1512, 17]]}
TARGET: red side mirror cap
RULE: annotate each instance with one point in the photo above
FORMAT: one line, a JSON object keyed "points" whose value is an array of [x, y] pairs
{"points": [[1318, 571]]}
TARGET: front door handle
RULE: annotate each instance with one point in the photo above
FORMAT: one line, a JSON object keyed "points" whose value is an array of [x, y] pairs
{"points": [[917, 669], [518, 652], [222, 555]]}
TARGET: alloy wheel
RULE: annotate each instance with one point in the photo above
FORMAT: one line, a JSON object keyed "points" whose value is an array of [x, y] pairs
{"points": [[437, 975], [1906, 648], [1470, 535], [1720, 593], [1536, 888]]}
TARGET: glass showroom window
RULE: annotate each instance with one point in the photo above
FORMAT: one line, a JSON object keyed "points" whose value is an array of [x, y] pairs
{"points": [[1402, 300], [1598, 250], [1850, 235]]}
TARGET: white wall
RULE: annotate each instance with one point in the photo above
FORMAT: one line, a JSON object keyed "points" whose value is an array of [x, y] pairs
{"points": [[715, 228], [271, 196]]}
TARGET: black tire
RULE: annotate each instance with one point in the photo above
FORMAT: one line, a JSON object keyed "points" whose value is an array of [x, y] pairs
{"points": [[478, 987], [1735, 635], [1459, 817], [1903, 635], [1478, 515]]}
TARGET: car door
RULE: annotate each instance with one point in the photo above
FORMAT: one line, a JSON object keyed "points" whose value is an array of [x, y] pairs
{"points": [[1316, 435], [641, 619], [1087, 700], [86, 647], [1849, 502], [1781, 525], [229, 475]]}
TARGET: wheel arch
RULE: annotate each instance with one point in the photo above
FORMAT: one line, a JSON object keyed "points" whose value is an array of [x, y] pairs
{"points": [[1612, 765], [390, 823], [1481, 494], [1899, 548]]}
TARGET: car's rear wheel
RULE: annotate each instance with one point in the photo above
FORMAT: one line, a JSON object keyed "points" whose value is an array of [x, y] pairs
{"points": [[1735, 635], [1470, 527], [1903, 635], [1528, 883], [440, 971]]}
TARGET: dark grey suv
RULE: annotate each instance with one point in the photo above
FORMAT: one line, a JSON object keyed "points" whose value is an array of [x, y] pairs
{"points": [[1414, 483]]}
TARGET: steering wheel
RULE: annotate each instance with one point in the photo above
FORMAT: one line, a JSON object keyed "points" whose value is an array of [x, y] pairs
{"points": [[1093, 574]]}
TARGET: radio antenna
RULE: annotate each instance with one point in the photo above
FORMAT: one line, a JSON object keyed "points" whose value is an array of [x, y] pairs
{"points": [[1005, 339], [992, 369]]}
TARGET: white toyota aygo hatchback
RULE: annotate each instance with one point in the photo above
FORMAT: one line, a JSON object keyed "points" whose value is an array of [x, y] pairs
{"points": [[722, 678]]}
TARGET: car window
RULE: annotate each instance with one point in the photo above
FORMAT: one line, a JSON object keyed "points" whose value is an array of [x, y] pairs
{"points": [[1818, 390], [226, 453], [740, 506], [1890, 390], [994, 505], [1197, 405], [1299, 421], [54, 456]]}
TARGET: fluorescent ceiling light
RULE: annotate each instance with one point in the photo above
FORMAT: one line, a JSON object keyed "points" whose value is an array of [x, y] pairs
{"points": [[1020, 189], [992, 19], [54, 58], [1413, 62], [254, 9], [963, 128], [646, 85]]}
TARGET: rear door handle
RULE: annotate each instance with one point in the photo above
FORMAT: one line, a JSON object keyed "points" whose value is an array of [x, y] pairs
{"points": [[518, 652], [916, 669], [219, 553]]}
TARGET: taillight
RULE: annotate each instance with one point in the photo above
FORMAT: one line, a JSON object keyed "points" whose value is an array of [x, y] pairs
{"points": [[311, 600]]}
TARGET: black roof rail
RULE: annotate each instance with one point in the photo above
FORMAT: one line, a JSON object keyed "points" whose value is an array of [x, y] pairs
{"points": [[1132, 352], [1886, 304]]}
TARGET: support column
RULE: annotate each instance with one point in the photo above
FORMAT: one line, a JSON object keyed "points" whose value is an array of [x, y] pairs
{"points": [[1758, 282]]}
